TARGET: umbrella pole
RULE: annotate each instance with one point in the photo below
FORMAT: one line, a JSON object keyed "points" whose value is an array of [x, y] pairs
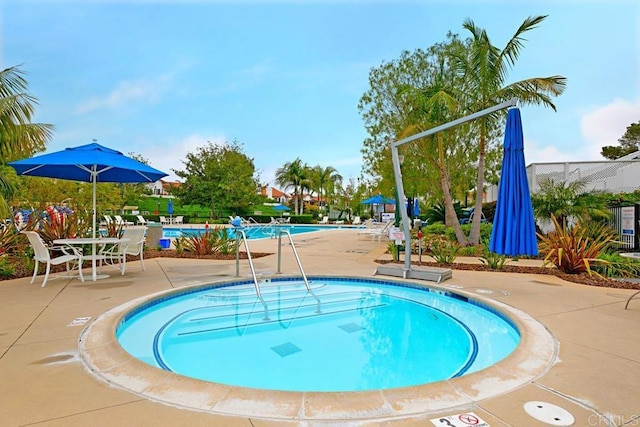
{"points": [[94, 176]]}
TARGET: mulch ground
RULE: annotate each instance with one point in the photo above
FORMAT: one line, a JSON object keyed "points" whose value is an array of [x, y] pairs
{"points": [[583, 278]]}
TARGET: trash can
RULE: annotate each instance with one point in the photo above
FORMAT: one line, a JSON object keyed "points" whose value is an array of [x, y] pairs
{"points": [[154, 234], [165, 243]]}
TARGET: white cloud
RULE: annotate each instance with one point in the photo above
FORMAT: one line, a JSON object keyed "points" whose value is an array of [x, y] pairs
{"points": [[171, 156], [605, 125], [599, 127], [126, 92]]}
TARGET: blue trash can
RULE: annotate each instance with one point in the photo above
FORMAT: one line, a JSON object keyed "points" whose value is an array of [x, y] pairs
{"points": [[165, 243]]}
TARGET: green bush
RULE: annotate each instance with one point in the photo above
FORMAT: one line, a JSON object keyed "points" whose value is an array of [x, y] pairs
{"points": [[445, 252]]}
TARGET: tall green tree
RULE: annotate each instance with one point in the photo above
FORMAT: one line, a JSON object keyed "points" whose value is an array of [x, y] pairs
{"points": [[19, 137], [220, 176], [408, 95], [485, 69], [325, 180], [629, 143], [294, 174]]}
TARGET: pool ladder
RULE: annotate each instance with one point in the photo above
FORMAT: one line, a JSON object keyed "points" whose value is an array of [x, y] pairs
{"points": [[241, 234]]}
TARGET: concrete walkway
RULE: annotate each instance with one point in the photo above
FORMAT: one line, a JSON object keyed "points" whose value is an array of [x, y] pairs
{"points": [[595, 376]]}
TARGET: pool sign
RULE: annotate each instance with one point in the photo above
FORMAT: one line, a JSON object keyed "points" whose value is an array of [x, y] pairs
{"points": [[628, 220], [468, 419]]}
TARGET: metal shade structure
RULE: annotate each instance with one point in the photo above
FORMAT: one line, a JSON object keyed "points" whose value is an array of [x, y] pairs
{"points": [[514, 231], [88, 163]]}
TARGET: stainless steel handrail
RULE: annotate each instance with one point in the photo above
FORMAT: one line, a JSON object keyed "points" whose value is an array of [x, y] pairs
{"points": [[295, 253], [240, 232]]}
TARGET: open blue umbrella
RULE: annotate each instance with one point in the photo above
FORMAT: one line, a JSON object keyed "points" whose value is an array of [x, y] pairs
{"points": [[89, 163], [514, 230], [378, 199], [281, 208]]}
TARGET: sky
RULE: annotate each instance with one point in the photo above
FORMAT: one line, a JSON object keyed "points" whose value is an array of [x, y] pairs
{"points": [[160, 78]]}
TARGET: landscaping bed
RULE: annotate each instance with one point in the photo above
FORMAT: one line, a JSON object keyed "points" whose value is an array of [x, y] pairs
{"points": [[583, 278]]}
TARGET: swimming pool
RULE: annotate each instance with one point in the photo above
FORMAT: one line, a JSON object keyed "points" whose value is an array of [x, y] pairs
{"points": [[258, 231], [103, 357], [345, 335]]}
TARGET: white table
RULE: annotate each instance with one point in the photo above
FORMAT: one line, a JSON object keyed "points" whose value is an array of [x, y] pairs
{"points": [[98, 241]]}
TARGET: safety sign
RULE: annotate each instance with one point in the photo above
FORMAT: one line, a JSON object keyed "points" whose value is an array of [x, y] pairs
{"points": [[468, 419]]}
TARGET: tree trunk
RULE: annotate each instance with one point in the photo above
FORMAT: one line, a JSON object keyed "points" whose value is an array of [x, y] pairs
{"points": [[451, 219], [474, 235]]}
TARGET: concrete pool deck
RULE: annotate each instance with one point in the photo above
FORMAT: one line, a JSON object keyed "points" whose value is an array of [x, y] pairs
{"points": [[595, 375]]}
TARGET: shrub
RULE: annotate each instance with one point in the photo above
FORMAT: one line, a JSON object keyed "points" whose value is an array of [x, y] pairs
{"points": [[492, 259], [211, 241], [615, 265], [445, 252], [573, 249], [6, 267]]}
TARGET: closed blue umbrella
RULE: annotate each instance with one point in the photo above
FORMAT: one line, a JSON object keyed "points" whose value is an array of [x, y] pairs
{"points": [[514, 230], [89, 163], [170, 210]]}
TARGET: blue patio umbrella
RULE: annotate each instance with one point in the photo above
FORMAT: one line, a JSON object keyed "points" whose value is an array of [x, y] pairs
{"points": [[281, 208], [514, 231], [170, 210], [378, 199], [88, 163], [416, 207]]}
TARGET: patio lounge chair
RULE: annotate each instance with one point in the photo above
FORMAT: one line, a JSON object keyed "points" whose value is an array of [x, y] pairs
{"points": [[377, 232], [107, 220], [41, 253], [356, 220], [121, 221], [325, 220], [141, 220]]}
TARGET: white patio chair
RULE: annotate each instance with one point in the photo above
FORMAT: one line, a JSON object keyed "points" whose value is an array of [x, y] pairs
{"points": [[325, 220], [141, 220], [356, 220], [42, 254], [132, 244], [178, 220], [163, 220]]}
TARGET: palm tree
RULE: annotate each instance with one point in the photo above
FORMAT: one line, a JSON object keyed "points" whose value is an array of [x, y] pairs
{"points": [[325, 179], [293, 174], [19, 138], [485, 68]]}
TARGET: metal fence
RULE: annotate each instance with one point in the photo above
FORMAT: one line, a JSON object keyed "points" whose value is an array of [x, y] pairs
{"points": [[625, 220]]}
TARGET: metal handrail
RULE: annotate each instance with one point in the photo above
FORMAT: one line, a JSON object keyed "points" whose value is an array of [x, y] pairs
{"points": [[295, 253], [253, 270]]}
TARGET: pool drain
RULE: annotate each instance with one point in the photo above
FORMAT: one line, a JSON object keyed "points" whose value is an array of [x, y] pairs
{"points": [[549, 413]]}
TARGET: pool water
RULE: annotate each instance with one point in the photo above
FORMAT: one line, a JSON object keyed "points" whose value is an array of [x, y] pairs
{"points": [[263, 231], [346, 335]]}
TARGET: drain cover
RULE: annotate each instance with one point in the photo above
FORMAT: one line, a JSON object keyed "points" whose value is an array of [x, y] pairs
{"points": [[549, 413]]}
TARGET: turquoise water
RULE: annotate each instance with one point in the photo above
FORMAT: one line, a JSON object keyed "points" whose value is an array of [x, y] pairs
{"points": [[264, 231], [344, 336]]}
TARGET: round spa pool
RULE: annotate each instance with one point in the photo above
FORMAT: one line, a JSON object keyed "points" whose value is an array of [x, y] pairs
{"points": [[346, 334]]}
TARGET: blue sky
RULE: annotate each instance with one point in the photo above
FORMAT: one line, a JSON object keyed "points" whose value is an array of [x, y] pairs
{"points": [[160, 78]]}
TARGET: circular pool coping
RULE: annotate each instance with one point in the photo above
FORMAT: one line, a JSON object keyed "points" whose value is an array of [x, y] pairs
{"points": [[103, 356]]}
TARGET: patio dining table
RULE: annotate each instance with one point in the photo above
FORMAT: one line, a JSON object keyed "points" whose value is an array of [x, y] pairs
{"points": [[95, 255]]}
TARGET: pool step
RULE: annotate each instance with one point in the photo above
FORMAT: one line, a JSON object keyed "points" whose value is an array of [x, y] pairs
{"points": [[213, 319]]}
